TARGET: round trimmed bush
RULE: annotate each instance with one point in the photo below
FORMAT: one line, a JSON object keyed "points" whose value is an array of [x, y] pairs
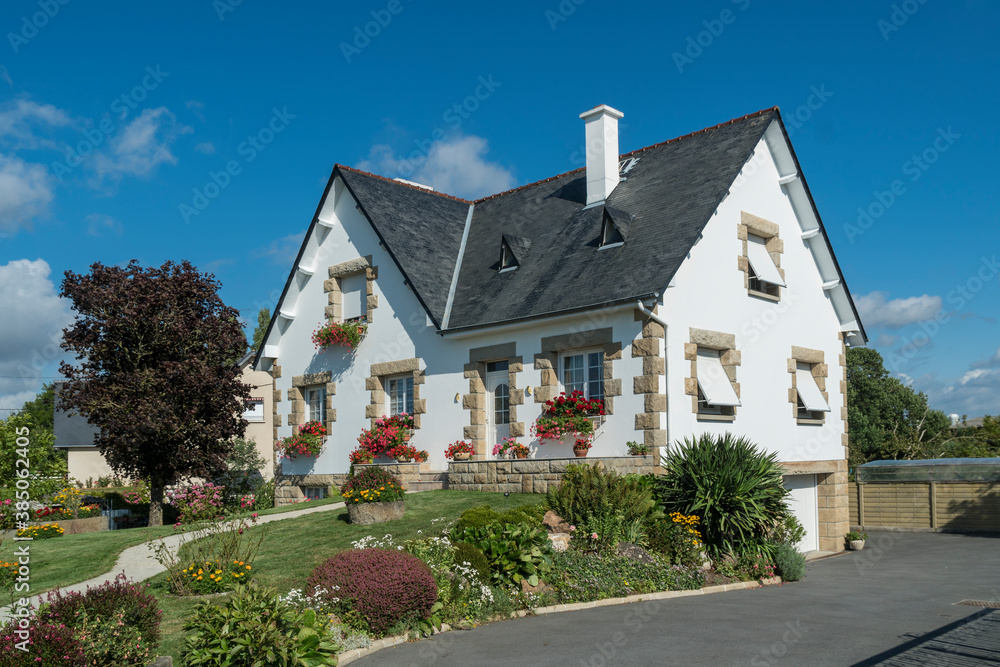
{"points": [[474, 556], [791, 564], [383, 586]]}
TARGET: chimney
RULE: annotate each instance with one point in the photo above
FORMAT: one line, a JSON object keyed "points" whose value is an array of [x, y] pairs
{"points": [[602, 152]]}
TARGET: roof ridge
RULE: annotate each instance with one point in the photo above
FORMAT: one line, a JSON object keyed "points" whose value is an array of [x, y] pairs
{"points": [[637, 150], [402, 183]]}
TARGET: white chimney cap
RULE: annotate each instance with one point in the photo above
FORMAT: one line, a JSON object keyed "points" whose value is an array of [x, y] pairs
{"points": [[602, 109]]}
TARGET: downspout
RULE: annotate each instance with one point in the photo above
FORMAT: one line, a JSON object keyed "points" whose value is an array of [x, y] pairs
{"points": [[666, 356]]}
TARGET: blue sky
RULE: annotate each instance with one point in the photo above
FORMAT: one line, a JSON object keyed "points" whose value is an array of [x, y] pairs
{"points": [[114, 116]]}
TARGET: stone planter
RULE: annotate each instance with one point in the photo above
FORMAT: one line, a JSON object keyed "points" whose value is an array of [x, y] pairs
{"points": [[463, 456], [402, 459], [366, 513], [856, 545]]}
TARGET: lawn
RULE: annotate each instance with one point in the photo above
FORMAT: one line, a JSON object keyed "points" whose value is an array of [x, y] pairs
{"points": [[293, 548], [70, 559]]}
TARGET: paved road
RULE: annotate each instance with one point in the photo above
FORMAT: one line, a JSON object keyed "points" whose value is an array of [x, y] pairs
{"points": [[891, 604]]}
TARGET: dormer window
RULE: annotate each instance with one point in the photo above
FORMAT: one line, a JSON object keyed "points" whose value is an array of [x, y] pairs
{"points": [[507, 260], [614, 228]]}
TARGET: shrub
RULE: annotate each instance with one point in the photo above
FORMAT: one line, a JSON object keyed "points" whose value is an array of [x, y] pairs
{"points": [[264, 496], [256, 628], [213, 576], [43, 531], [582, 577], [791, 564], [514, 551], [734, 487], [602, 502], [111, 641], [120, 597], [197, 502], [373, 485], [48, 644], [474, 556], [677, 539], [787, 531], [383, 587]]}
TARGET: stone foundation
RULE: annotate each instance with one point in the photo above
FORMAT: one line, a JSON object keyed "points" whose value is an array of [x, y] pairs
{"points": [[531, 475], [76, 526]]}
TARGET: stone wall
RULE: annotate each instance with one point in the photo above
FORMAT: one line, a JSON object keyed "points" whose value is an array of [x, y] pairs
{"points": [[531, 475]]}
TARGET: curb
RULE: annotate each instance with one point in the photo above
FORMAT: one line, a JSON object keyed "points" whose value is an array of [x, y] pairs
{"points": [[358, 653]]}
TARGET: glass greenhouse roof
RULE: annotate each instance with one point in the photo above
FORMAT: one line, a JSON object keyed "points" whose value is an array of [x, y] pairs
{"points": [[931, 470]]}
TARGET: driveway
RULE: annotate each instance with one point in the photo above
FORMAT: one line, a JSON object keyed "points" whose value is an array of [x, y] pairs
{"points": [[892, 604]]}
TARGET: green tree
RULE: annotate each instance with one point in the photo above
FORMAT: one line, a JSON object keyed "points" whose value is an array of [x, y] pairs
{"points": [[47, 466], [263, 319], [887, 419], [156, 350], [41, 409]]}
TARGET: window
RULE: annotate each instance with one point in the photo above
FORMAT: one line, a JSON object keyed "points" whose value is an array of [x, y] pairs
{"points": [[316, 404], [764, 276], [253, 410], [507, 260], [354, 297], [610, 234], [314, 492], [400, 391], [715, 390], [811, 404], [584, 372], [501, 404], [495, 366]]}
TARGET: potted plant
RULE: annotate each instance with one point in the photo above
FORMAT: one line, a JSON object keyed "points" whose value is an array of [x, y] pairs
{"points": [[403, 453], [582, 446], [422, 456], [856, 540], [520, 451], [308, 441], [504, 449], [387, 433], [460, 450], [635, 449], [568, 415], [373, 496], [361, 455], [349, 334]]}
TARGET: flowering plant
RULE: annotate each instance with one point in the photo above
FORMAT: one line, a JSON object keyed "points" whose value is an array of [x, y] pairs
{"points": [[7, 514], [386, 434], [635, 449], [349, 334], [422, 456], [583, 443], [504, 447], [41, 532], [307, 442], [361, 455], [372, 485], [403, 452], [458, 447], [214, 577], [520, 450], [198, 502], [138, 494], [567, 415]]}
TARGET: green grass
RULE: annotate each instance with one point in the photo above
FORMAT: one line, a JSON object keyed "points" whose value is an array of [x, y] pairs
{"points": [[70, 559], [293, 548]]}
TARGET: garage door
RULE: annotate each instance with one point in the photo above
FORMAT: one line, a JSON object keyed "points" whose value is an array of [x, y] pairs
{"points": [[803, 504]]}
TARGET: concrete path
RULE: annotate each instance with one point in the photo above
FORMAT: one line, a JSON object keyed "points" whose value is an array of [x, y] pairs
{"points": [[893, 603], [139, 563]]}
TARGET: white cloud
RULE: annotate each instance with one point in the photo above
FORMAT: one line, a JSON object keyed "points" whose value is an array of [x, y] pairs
{"points": [[991, 362], [206, 147], [142, 146], [280, 251], [25, 192], [876, 311], [886, 340], [457, 167], [975, 394], [98, 224], [20, 118], [30, 330]]}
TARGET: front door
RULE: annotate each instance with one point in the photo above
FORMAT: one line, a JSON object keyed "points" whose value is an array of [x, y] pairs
{"points": [[497, 408]]}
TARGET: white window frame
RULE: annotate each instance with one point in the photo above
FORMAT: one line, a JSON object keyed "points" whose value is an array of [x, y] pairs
{"points": [[811, 404], [714, 395], [314, 492], [253, 410], [315, 396], [407, 398], [508, 262], [358, 296], [587, 365]]}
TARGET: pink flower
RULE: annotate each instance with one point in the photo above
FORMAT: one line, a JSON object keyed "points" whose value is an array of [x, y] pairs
{"points": [[572, 528], [593, 536]]}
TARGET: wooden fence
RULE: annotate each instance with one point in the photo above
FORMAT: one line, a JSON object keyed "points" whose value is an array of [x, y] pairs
{"points": [[958, 507]]}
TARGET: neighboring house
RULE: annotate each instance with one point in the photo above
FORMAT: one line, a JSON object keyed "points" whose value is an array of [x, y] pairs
{"points": [[76, 435], [690, 284]]}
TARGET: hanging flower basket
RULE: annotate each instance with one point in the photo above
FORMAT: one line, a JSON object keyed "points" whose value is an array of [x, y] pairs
{"points": [[308, 441], [568, 416], [349, 334]]}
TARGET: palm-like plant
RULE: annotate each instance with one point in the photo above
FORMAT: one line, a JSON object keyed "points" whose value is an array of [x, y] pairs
{"points": [[732, 485]]}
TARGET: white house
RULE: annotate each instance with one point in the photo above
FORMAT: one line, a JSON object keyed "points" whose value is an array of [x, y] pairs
{"points": [[690, 284]]}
